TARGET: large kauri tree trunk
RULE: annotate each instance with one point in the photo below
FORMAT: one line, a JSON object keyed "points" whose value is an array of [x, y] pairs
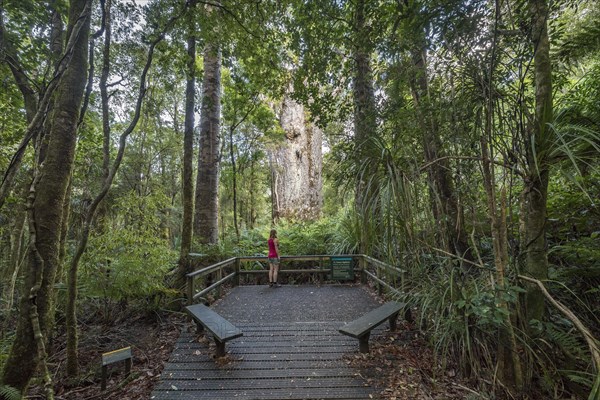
{"points": [[296, 166], [206, 219], [47, 197]]}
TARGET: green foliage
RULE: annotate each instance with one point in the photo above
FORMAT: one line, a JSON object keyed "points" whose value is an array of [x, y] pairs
{"points": [[9, 393], [313, 238], [5, 344], [563, 356], [268, 45], [252, 242], [295, 238], [348, 233], [459, 314], [595, 392], [130, 259]]}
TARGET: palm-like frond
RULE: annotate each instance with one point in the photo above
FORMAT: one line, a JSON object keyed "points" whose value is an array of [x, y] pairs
{"points": [[575, 144]]}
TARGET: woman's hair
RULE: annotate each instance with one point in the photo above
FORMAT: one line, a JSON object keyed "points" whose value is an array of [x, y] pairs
{"points": [[273, 234]]}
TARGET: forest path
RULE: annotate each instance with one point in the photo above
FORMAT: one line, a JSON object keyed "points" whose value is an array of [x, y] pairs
{"points": [[291, 348]]}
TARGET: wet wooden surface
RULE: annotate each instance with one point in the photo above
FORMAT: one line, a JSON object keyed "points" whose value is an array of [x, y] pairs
{"points": [[285, 353]]}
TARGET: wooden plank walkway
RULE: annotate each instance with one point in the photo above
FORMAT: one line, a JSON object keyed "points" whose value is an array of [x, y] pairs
{"points": [[287, 359]]}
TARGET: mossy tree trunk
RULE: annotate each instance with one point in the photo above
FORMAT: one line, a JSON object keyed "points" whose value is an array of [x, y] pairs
{"points": [[187, 178], [47, 197], [536, 184]]}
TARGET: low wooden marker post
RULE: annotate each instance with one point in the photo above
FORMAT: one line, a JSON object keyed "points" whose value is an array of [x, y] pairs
{"points": [[112, 357]]}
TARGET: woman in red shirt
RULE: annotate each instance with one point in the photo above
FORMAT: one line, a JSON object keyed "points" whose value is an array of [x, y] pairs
{"points": [[273, 257]]}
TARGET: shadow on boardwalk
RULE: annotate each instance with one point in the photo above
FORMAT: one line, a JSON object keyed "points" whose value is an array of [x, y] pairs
{"points": [[291, 348]]}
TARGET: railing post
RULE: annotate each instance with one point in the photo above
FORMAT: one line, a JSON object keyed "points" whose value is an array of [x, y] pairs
{"points": [[379, 285], [190, 290], [236, 278], [320, 274], [362, 264], [219, 277]]}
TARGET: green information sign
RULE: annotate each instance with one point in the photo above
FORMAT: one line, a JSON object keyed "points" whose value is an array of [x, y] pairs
{"points": [[342, 268]]}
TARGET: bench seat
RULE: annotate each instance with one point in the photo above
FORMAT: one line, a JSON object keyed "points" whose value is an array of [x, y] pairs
{"points": [[221, 329], [361, 328]]}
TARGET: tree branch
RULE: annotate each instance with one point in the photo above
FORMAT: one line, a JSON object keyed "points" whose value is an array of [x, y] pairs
{"points": [[37, 119]]}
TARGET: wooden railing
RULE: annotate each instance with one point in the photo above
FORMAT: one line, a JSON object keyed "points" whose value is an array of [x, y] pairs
{"points": [[387, 278]]}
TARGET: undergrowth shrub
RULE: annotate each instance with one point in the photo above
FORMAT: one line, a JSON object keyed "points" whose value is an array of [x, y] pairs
{"points": [[129, 261], [295, 238], [458, 314]]}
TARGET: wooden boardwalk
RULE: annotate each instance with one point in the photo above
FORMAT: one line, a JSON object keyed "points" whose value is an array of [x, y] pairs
{"points": [[277, 359]]}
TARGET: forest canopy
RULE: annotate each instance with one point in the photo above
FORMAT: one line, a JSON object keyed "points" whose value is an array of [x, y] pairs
{"points": [[456, 139]]}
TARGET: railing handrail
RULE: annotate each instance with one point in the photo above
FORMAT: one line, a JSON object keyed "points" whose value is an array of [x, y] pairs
{"points": [[211, 268], [235, 261], [298, 258], [382, 264]]}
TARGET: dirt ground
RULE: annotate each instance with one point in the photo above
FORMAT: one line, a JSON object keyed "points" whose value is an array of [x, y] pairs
{"points": [[151, 340], [401, 366]]}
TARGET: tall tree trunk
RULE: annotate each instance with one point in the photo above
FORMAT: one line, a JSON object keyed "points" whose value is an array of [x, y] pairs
{"points": [[536, 186], [297, 165], [47, 198], [510, 370], [72, 340], [444, 202], [104, 96], [252, 212], [206, 219], [234, 175], [365, 119], [187, 179], [72, 364]]}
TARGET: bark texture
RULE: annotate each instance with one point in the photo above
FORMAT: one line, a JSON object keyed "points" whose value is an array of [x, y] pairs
{"points": [[536, 186], [297, 165], [365, 112], [206, 218], [187, 178], [47, 196], [366, 155]]}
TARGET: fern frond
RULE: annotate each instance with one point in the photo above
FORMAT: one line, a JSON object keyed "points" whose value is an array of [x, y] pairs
{"points": [[567, 342], [9, 393]]}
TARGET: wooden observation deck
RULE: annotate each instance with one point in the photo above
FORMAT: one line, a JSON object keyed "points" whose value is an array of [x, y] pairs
{"points": [[290, 349]]}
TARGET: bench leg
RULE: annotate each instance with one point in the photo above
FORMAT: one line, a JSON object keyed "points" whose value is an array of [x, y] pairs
{"points": [[220, 348], [104, 377], [363, 342], [128, 363], [199, 328], [408, 315], [393, 320]]}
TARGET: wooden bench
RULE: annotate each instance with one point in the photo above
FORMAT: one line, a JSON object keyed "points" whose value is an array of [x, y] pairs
{"points": [[221, 329], [112, 357], [361, 328]]}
